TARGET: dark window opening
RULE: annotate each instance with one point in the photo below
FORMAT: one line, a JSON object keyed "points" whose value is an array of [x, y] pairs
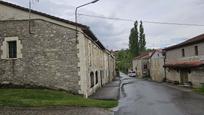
{"points": [[177, 70], [145, 66], [196, 50], [96, 77], [183, 53], [92, 79], [12, 48], [189, 71]]}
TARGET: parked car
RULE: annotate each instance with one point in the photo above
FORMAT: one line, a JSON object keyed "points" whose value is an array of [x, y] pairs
{"points": [[132, 74]]}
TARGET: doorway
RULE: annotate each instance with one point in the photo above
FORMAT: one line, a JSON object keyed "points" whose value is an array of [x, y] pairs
{"points": [[184, 76]]}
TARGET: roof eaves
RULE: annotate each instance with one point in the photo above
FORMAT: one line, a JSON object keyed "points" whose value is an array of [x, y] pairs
{"points": [[194, 40], [88, 32]]}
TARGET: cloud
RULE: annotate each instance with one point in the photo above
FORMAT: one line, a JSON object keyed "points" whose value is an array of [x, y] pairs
{"points": [[114, 34], [106, 32]]}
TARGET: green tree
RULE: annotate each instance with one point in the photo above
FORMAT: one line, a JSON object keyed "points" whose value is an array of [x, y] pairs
{"points": [[123, 60], [142, 41], [133, 40]]}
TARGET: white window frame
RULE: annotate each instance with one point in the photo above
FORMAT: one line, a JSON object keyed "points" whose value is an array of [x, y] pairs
{"points": [[5, 49]]}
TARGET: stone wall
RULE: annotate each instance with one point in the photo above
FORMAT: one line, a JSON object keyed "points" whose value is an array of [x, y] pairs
{"points": [[156, 66], [176, 54], [11, 13], [95, 60], [49, 55], [137, 67], [197, 77], [172, 75], [111, 67], [156, 69]]}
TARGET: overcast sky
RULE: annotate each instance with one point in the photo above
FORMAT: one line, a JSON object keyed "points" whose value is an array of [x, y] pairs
{"points": [[114, 34]]}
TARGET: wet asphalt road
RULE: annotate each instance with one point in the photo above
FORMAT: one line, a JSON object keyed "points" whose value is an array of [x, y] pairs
{"points": [[140, 97]]}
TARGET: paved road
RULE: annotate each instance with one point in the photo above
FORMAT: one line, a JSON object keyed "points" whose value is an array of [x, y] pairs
{"points": [[139, 97]]}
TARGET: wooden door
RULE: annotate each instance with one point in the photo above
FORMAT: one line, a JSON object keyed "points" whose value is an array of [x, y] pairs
{"points": [[184, 76]]}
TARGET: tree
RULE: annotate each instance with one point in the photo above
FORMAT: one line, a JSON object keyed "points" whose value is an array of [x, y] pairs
{"points": [[133, 40], [142, 41], [123, 60]]}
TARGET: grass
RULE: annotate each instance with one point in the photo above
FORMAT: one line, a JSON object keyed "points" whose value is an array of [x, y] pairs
{"points": [[45, 98], [200, 90]]}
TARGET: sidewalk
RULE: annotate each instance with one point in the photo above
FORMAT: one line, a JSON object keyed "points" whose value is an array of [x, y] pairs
{"points": [[108, 92]]}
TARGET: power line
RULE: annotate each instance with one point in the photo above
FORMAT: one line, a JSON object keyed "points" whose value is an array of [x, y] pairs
{"points": [[145, 21], [109, 18]]}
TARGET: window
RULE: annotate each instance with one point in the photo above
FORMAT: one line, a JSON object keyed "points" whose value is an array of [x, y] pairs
{"points": [[145, 66], [189, 71], [92, 79], [183, 53], [196, 50], [96, 74], [12, 49]]}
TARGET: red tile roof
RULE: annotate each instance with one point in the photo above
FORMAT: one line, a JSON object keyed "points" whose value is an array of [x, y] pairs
{"points": [[185, 64], [144, 55], [191, 41]]}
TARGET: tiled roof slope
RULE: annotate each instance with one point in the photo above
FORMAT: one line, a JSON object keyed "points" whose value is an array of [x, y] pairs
{"points": [[191, 41], [185, 64], [145, 55]]}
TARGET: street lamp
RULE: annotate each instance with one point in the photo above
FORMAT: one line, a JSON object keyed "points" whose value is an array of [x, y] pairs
{"points": [[76, 13]]}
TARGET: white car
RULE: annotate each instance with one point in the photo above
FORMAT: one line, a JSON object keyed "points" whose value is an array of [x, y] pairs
{"points": [[132, 74]]}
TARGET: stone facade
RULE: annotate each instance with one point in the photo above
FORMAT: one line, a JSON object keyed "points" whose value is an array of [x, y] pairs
{"points": [[176, 54], [49, 55], [94, 61], [137, 67], [156, 66], [141, 64], [194, 75]]}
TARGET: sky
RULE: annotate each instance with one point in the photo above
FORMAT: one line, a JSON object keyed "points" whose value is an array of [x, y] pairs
{"points": [[114, 35]]}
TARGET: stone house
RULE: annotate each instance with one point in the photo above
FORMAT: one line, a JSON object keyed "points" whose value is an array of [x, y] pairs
{"points": [[185, 62], [141, 64], [44, 51], [156, 66]]}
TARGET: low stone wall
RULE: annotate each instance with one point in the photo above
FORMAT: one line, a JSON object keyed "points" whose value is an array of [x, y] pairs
{"points": [[197, 77], [49, 55]]}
